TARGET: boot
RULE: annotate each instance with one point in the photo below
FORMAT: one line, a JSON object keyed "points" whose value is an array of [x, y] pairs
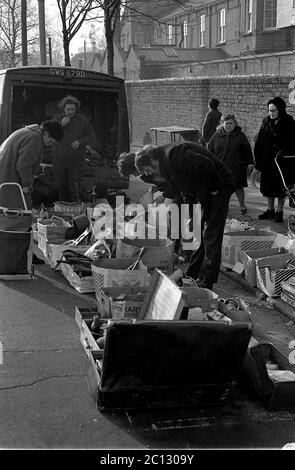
{"points": [[268, 214]]}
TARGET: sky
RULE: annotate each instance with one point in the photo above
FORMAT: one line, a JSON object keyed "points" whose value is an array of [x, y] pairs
{"points": [[52, 14]]}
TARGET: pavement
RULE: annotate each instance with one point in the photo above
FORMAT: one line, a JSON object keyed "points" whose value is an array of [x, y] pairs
{"points": [[44, 398]]}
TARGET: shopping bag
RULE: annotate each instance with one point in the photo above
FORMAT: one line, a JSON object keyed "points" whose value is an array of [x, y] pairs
{"points": [[15, 220], [16, 252]]}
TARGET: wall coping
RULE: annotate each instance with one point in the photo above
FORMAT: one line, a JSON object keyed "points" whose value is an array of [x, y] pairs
{"points": [[238, 78]]}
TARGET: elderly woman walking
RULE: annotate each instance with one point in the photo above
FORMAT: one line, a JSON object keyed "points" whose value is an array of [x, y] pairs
{"points": [[275, 138], [231, 145]]}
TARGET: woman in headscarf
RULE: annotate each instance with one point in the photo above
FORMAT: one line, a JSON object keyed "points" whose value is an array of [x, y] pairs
{"points": [[231, 145], [275, 138]]}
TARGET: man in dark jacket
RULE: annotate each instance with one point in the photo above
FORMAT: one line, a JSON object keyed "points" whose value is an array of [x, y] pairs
{"points": [[21, 154], [212, 119], [197, 176]]}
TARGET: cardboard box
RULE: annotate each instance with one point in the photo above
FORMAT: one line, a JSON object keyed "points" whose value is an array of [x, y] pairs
{"points": [[53, 252], [84, 317], [274, 395], [288, 291], [158, 253], [84, 285], [51, 231], [271, 256], [120, 302], [206, 299], [236, 242], [269, 279], [114, 272]]}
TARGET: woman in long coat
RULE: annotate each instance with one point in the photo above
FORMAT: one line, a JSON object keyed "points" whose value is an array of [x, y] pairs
{"points": [[275, 137], [231, 145]]}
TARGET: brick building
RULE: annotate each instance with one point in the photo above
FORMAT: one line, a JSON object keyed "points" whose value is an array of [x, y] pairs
{"points": [[209, 37]]}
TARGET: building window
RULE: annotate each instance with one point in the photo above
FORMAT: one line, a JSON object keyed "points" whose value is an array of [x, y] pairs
{"points": [[249, 11], [184, 33], [170, 34], [270, 14], [202, 31], [221, 25]]}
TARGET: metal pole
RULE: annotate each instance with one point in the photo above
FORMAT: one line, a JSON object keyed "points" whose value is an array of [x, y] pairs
{"points": [[50, 51], [24, 32], [42, 39], [85, 55]]}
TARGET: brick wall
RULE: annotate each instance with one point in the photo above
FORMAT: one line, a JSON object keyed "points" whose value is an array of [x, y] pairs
{"points": [[183, 102]]}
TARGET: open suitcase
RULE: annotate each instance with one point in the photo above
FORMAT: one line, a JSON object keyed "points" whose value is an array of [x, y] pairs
{"points": [[151, 364], [16, 236]]}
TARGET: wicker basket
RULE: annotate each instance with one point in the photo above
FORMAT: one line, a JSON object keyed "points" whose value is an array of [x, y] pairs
{"points": [[69, 208]]}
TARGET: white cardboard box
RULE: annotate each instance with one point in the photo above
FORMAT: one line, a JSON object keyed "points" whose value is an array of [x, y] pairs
{"points": [[265, 257], [236, 242]]}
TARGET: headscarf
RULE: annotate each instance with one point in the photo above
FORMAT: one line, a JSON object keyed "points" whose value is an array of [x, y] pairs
{"points": [[280, 104]]}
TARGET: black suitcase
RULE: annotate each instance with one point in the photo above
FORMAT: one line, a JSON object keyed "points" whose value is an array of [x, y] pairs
{"points": [[167, 364]]}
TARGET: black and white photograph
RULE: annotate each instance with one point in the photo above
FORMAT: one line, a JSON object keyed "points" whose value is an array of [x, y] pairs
{"points": [[147, 230]]}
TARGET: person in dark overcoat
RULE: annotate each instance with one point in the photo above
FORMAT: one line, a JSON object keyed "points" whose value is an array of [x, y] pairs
{"points": [[198, 176], [231, 145], [68, 155], [21, 155], [212, 119], [275, 138]]}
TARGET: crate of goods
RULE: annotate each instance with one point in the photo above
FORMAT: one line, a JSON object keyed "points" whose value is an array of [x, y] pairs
{"points": [[199, 302], [189, 364], [236, 242], [288, 291], [69, 208], [76, 268], [120, 302], [157, 254], [54, 252], [92, 327], [269, 278], [116, 272], [270, 256], [51, 231], [84, 284], [270, 375]]}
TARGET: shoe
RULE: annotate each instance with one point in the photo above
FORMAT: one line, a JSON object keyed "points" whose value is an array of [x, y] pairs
{"points": [[205, 284], [268, 214], [244, 211], [279, 216]]}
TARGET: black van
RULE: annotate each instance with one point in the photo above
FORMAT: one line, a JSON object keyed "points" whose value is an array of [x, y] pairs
{"points": [[30, 95]]}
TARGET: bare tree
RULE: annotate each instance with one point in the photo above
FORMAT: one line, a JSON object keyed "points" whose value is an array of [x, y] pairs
{"points": [[73, 13], [111, 13], [10, 32], [141, 9]]}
